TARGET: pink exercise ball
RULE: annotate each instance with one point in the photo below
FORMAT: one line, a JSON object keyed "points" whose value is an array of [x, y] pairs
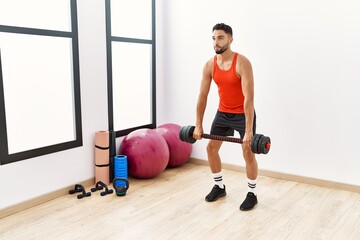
{"points": [[147, 153], [179, 151]]}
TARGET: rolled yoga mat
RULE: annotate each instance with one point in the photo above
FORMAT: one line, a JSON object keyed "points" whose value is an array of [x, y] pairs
{"points": [[102, 157]]}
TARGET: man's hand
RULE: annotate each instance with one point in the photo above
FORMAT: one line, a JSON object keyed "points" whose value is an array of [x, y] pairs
{"points": [[197, 133], [247, 138]]}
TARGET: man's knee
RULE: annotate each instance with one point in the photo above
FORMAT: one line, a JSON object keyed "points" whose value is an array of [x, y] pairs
{"points": [[248, 154], [213, 147]]}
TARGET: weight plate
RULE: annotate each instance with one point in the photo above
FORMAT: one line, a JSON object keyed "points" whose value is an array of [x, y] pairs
{"points": [[190, 133], [264, 141], [259, 144], [255, 143], [181, 134]]}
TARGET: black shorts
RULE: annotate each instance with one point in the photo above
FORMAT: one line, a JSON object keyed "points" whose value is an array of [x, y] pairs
{"points": [[224, 124]]}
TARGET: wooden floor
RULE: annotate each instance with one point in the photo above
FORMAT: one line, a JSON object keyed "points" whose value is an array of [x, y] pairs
{"points": [[172, 206]]}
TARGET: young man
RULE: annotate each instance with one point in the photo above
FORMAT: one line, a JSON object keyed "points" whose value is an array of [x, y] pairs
{"points": [[232, 73]]}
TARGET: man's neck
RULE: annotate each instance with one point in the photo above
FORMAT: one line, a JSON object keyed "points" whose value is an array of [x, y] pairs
{"points": [[228, 54]]}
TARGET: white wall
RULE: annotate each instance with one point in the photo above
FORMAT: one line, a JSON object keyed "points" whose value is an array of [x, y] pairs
{"points": [[31, 178], [161, 81], [306, 62]]}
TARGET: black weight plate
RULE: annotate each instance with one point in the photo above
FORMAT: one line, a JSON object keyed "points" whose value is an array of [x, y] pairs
{"points": [[189, 134], [181, 134], [264, 141], [262, 145], [259, 144], [267, 141], [184, 134], [255, 143]]}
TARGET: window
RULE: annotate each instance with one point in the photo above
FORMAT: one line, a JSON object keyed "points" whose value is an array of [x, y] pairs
{"points": [[131, 64], [39, 78]]}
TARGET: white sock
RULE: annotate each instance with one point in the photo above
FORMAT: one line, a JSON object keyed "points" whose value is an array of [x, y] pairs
{"points": [[218, 179], [251, 185]]}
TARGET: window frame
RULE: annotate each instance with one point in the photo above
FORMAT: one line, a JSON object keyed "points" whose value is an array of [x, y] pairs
{"points": [[109, 40], [5, 157]]}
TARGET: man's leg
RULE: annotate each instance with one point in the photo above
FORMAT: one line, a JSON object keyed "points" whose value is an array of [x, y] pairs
{"points": [[251, 173], [212, 150], [218, 190], [251, 163]]}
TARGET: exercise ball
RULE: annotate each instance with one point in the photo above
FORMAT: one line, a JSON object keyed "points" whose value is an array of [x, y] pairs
{"points": [[147, 153], [179, 151]]}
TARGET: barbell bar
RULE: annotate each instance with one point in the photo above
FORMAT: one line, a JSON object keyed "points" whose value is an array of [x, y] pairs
{"points": [[259, 143]]}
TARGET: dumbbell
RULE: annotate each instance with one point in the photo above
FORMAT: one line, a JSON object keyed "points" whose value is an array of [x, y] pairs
{"points": [[80, 188], [259, 142], [100, 186]]}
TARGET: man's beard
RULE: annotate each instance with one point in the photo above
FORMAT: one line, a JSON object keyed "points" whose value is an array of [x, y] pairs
{"points": [[221, 50]]}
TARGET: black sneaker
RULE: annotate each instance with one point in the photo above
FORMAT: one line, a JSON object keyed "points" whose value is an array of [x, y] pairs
{"points": [[249, 202], [215, 194]]}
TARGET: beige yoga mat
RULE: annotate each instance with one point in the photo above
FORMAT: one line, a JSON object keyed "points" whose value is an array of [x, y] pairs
{"points": [[102, 156]]}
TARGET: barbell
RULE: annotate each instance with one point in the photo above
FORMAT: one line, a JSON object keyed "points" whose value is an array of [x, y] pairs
{"points": [[259, 143]]}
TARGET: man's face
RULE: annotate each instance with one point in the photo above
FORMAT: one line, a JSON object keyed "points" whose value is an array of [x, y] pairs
{"points": [[221, 41]]}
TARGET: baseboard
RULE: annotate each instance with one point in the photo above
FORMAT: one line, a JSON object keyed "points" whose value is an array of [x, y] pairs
{"points": [[287, 177], [41, 199]]}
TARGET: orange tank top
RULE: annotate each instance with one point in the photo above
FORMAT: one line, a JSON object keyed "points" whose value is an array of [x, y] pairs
{"points": [[229, 88]]}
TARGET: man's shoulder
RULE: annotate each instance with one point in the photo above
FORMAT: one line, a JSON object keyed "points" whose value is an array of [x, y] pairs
{"points": [[242, 58], [210, 62]]}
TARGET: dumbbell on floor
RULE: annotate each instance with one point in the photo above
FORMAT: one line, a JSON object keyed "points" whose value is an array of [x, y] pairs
{"points": [[259, 143]]}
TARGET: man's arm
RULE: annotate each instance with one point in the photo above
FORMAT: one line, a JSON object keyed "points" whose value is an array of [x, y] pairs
{"points": [[247, 81], [202, 99]]}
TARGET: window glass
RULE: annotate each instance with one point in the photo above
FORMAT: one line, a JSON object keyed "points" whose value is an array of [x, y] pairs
{"points": [[132, 81], [42, 14], [38, 90], [131, 19]]}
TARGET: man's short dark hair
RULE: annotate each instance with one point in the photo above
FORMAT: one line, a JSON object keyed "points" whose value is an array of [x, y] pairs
{"points": [[222, 26]]}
